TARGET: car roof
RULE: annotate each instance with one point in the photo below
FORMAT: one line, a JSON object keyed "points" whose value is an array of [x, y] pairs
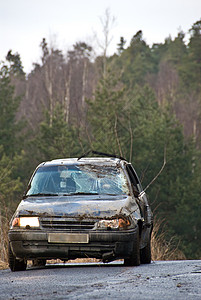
{"points": [[86, 160]]}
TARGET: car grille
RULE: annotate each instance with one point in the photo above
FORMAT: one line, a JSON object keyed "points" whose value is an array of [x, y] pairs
{"points": [[67, 224]]}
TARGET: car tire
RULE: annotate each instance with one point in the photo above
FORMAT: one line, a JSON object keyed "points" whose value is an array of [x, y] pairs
{"points": [[145, 253], [134, 259], [15, 264]]}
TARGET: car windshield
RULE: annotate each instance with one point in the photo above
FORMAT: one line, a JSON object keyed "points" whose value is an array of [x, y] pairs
{"points": [[78, 179]]}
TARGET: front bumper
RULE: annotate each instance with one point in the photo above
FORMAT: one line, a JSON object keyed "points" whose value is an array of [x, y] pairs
{"points": [[105, 245]]}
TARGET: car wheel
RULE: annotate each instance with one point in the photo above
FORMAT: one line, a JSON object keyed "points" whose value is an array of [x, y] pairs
{"points": [[14, 263], [134, 259], [145, 253]]}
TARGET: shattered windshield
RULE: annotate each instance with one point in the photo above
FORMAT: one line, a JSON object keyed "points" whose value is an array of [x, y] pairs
{"points": [[78, 179]]}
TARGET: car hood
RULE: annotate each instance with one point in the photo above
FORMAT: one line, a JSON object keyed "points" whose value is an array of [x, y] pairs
{"points": [[91, 206]]}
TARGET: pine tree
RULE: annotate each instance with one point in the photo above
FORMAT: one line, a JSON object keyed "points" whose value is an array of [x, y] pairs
{"points": [[105, 114], [9, 128], [121, 44], [59, 140], [15, 68]]}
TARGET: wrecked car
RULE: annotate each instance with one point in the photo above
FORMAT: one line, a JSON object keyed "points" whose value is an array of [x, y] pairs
{"points": [[88, 207]]}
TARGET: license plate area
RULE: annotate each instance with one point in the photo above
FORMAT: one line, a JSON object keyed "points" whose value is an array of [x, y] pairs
{"points": [[68, 238]]}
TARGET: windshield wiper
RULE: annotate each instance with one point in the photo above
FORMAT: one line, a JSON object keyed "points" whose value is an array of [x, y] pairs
{"points": [[40, 194], [80, 193]]}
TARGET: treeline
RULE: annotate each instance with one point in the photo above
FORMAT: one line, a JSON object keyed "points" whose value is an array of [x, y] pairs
{"points": [[143, 103]]}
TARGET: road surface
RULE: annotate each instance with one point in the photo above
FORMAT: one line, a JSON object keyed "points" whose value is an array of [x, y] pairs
{"points": [[158, 280]]}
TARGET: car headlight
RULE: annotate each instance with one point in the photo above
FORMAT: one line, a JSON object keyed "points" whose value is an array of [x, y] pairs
{"points": [[26, 222], [113, 224]]}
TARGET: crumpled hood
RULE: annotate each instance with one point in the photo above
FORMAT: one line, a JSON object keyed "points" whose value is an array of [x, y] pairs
{"points": [[98, 206]]}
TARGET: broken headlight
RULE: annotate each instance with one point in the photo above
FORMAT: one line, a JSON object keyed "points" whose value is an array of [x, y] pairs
{"points": [[26, 222], [113, 224]]}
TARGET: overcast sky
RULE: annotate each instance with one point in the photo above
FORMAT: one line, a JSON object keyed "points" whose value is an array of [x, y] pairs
{"points": [[24, 23]]}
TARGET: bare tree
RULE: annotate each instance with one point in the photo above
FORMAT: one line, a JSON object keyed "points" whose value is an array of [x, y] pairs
{"points": [[107, 23], [81, 78], [44, 86]]}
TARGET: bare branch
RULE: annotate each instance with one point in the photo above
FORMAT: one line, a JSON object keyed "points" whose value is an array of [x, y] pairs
{"points": [[116, 134], [107, 22], [163, 166], [131, 140]]}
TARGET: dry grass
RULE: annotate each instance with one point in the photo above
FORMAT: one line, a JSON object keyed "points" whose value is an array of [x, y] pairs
{"points": [[3, 265], [161, 248], [4, 226]]}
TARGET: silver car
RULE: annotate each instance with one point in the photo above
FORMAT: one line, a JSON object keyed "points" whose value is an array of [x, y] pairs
{"points": [[82, 207]]}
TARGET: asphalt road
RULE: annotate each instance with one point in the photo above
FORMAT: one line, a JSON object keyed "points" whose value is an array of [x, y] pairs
{"points": [[159, 280]]}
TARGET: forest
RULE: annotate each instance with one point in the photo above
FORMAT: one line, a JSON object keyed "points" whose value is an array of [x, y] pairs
{"points": [[143, 103]]}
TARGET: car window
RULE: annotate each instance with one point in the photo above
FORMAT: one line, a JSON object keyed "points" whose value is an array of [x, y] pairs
{"points": [[134, 178], [92, 179]]}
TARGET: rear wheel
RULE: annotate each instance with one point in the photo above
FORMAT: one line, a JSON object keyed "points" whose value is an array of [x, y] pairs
{"points": [[14, 263], [134, 259], [145, 253]]}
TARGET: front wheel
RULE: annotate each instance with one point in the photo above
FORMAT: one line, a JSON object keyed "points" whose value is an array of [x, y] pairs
{"points": [[134, 259], [14, 263]]}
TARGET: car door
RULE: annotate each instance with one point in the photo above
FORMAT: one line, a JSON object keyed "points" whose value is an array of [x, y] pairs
{"points": [[140, 196]]}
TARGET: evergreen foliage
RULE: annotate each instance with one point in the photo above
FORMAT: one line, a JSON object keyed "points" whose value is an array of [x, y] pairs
{"points": [[11, 154], [9, 186], [57, 140], [9, 104], [105, 114], [15, 67]]}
